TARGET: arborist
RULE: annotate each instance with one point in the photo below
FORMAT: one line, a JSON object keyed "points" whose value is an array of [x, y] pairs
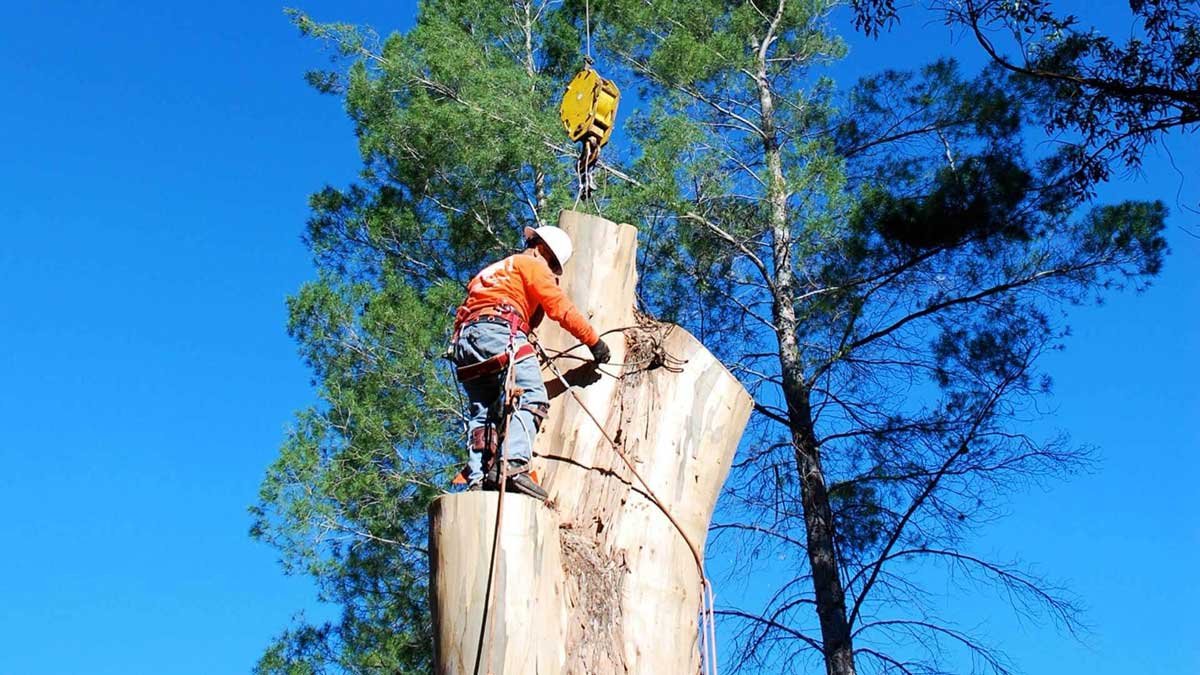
{"points": [[505, 302]]}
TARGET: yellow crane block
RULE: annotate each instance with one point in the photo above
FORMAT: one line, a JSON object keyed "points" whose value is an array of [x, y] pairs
{"points": [[589, 107]]}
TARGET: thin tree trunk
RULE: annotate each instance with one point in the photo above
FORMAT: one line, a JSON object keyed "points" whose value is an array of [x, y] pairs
{"points": [[539, 176], [818, 517]]}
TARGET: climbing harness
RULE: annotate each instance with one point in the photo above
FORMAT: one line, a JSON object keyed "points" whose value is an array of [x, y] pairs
{"points": [[506, 315], [486, 438], [588, 113], [493, 365]]}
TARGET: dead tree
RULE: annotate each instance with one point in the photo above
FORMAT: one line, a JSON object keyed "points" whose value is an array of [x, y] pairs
{"points": [[601, 579]]}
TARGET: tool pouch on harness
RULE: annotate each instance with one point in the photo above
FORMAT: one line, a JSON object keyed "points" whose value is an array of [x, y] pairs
{"points": [[484, 439], [492, 366]]}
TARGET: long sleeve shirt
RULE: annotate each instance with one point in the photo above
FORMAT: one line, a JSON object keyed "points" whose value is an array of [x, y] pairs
{"points": [[529, 286]]}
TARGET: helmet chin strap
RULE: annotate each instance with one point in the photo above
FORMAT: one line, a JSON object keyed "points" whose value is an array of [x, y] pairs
{"points": [[557, 242], [546, 254], [542, 249]]}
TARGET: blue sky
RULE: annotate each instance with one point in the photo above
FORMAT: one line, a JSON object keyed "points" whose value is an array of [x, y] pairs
{"points": [[156, 165]]}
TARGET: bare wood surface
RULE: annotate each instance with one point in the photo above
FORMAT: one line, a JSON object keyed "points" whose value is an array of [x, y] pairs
{"points": [[625, 596], [529, 615]]}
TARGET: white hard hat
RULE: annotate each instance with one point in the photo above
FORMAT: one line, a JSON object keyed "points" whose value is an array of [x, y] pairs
{"points": [[558, 241]]}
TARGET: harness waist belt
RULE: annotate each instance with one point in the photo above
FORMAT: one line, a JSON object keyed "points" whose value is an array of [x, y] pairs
{"points": [[502, 314], [491, 366], [501, 320]]}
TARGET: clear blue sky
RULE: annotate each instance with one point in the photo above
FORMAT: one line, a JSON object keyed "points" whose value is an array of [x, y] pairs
{"points": [[156, 164]]}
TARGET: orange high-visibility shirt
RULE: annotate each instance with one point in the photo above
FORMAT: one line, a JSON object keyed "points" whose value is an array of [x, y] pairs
{"points": [[527, 285]]}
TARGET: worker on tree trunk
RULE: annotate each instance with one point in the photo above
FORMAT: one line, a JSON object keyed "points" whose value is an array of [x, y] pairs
{"points": [[504, 303]]}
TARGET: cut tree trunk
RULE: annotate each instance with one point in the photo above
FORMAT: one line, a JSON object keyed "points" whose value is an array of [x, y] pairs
{"points": [[460, 539], [598, 580]]}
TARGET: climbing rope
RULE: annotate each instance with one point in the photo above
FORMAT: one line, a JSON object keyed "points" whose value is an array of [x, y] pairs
{"points": [[708, 634], [489, 610], [659, 359]]}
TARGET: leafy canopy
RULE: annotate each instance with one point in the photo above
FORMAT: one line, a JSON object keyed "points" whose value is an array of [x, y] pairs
{"points": [[881, 264]]}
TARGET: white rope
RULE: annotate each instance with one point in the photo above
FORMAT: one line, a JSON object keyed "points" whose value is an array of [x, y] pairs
{"points": [[587, 24]]}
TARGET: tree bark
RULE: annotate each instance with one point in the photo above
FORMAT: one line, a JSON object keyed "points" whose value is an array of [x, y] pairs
{"points": [[601, 581], [814, 496]]}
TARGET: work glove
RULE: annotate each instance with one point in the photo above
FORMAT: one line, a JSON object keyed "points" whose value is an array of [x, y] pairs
{"points": [[600, 352]]}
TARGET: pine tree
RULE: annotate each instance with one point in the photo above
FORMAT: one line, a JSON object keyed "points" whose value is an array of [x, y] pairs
{"points": [[881, 264]]}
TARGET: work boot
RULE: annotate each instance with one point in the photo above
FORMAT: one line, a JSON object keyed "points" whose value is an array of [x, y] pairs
{"points": [[519, 480], [491, 479], [524, 483]]}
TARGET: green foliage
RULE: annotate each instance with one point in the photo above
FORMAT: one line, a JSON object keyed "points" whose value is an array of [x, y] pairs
{"points": [[345, 500], [1133, 228], [978, 198], [460, 150], [930, 248], [1106, 98], [923, 245]]}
